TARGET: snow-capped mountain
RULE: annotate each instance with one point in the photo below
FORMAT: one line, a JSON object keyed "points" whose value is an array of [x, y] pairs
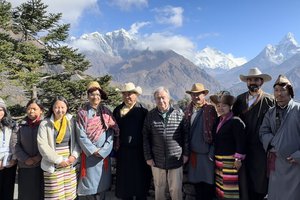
{"points": [[215, 59], [277, 54], [112, 43], [114, 53], [281, 58], [121, 42]]}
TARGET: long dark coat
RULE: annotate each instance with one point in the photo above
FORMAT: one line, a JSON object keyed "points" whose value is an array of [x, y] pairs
{"points": [[133, 174], [255, 161]]}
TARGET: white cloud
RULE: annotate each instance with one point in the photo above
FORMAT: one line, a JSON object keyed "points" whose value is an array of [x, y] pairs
{"points": [[238, 61], [71, 9], [170, 15], [134, 28], [84, 45], [166, 41], [129, 4]]}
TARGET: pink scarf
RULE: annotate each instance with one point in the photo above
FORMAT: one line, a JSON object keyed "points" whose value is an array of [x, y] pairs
{"points": [[94, 128]]}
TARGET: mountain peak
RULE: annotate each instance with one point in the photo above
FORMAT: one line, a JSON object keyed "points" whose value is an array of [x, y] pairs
{"points": [[277, 54], [212, 58], [288, 39], [119, 33]]}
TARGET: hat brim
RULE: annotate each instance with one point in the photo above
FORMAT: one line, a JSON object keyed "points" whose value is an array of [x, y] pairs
{"points": [[214, 99], [226, 99], [137, 90], [265, 77], [191, 92]]}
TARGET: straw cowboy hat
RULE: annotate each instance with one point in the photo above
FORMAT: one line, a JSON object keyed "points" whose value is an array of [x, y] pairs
{"points": [[130, 87], [223, 97], [196, 88], [255, 73], [95, 84]]}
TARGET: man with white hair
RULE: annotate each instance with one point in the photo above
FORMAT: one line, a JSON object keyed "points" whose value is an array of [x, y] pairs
{"points": [[165, 145]]}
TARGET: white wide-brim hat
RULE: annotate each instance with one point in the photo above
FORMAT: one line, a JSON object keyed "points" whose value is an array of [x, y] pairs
{"points": [[130, 87], [255, 73]]}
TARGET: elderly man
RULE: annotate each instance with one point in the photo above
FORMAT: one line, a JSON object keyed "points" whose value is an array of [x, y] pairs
{"points": [[280, 135], [165, 145], [251, 107], [133, 174], [200, 118]]}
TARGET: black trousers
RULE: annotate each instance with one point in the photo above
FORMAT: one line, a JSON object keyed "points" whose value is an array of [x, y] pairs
{"points": [[7, 183], [256, 196], [204, 191], [136, 198]]}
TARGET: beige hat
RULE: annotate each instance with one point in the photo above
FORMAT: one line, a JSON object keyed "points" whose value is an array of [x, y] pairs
{"points": [[196, 88], [255, 73], [223, 97], [130, 87], [282, 79], [95, 84]]}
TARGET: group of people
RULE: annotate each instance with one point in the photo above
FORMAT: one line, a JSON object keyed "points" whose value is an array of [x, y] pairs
{"points": [[245, 147]]}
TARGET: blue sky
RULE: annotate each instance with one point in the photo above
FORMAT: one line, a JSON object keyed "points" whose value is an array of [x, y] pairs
{"points": [[238, 27]]}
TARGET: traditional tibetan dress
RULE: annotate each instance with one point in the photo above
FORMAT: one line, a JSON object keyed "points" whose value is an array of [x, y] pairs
{"points": [[229, 140], [61, 184], [95, 132]]}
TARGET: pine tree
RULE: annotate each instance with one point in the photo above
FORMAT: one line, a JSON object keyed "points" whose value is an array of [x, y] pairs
{"points": [[33, 42], [5, 14]]}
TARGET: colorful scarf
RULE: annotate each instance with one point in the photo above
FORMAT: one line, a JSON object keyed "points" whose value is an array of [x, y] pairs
{"points": [[61, 127], [94, 128], [209, 117]]}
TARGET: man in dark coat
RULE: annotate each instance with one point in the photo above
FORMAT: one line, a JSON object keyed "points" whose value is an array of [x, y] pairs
{"points": [[251, 107], [133, 174]]}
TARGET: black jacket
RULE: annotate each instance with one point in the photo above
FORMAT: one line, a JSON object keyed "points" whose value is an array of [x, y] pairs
{"points": [[230, 138], [165, 140]]}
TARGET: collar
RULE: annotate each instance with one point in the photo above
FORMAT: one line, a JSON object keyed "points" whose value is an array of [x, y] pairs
{"points": [[68, 116]]}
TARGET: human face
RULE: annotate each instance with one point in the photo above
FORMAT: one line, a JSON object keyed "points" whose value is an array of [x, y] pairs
{"points": [[33, 111], [222, 109], [198, 98], [162, 100], [129, 98], [2, 113], [59, 109], [281, 95], [94, 98], [254, 83]]}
